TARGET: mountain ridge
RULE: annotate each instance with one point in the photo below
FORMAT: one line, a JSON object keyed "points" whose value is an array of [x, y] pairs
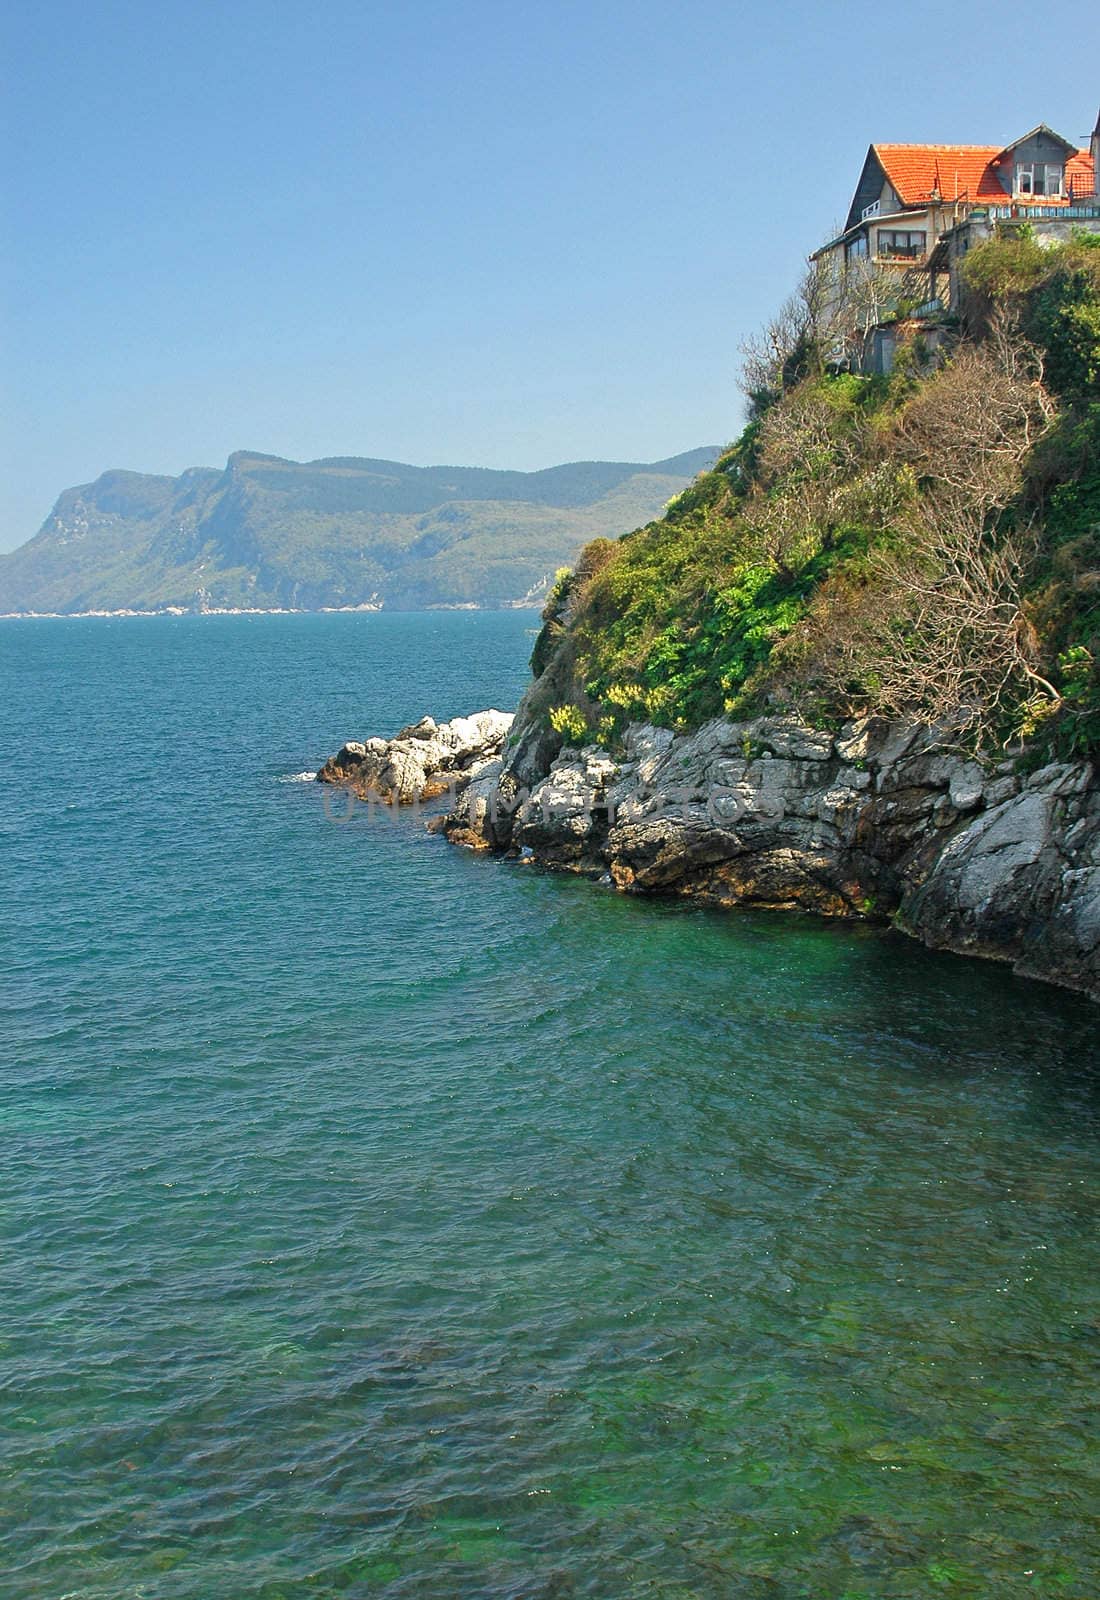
{"points": [[269, 533]]}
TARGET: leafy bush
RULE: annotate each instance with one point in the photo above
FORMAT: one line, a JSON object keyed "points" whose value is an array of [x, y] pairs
{"points": [[1054, 292], [1012, 263], [571, 723], [557, 594]]}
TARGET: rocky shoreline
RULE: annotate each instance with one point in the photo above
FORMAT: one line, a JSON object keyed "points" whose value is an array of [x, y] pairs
{"points": [[876, 820], [422, 762]]}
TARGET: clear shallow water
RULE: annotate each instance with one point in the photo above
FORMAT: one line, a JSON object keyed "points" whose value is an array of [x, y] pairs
{"points": [[379, 1220]]}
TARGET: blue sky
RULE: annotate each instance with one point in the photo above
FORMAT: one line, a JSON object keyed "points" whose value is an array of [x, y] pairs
{"points": [[480, 233]]}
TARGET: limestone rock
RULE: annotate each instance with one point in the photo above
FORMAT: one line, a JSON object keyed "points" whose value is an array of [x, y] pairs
{"points": [[879, 819], [966, 786], [1019, 882], [422, 761]]}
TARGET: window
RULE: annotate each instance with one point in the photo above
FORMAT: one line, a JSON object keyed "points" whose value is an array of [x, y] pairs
{"points": [[1035, 178], [899, 245], [857, 247]]}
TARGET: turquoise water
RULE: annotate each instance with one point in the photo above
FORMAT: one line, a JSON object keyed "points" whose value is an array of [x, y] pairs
{"points": [[381, 1220]]}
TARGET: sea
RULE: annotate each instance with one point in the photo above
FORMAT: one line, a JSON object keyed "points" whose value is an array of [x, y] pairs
{"points": [[379, 1219]]}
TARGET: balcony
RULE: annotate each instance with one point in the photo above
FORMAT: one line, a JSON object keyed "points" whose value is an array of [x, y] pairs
{"points": [[1074, 211], [903, 247], [900, 258]]}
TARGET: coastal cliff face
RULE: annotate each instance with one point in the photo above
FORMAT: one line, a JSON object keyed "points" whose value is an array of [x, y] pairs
{"points": [[876, 820]]}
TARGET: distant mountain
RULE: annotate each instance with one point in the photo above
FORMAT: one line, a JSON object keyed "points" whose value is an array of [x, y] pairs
{"points": [[270, 533]]}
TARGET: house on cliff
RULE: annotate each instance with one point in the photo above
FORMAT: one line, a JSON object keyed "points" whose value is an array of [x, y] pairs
{"points": [[918, 209]]}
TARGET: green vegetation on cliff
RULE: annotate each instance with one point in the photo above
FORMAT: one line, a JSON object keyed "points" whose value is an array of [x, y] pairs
{"points": [[926, 544]]}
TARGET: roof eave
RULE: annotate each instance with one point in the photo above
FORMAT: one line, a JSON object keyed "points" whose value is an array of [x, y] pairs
{"points": [[1031, 133], [872, 155], [865, 222]]}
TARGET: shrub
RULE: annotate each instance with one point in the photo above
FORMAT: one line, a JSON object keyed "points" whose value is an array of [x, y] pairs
{"points": [[558, 595], [1012, 263], [571, 723]]}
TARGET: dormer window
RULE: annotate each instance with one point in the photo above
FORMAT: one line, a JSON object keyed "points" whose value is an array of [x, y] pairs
{"points": [[1035, 178]]}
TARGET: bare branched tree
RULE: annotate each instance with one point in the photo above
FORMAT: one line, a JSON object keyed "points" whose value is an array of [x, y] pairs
{"points": [[766, 356], [805, 439], [960, 648], [975, 421], [942, 635], [825, 322], [816, 472], [940, 631], [853, 301]]}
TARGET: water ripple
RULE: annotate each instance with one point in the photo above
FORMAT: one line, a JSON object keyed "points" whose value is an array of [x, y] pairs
{"points": [[382, 1221]]}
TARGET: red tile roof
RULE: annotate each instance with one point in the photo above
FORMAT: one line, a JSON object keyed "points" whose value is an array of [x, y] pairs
{"points": [[1080, 171], [964, 171]]}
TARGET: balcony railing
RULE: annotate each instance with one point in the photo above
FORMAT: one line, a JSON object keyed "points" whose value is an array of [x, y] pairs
{"points": [[1076, 211]]}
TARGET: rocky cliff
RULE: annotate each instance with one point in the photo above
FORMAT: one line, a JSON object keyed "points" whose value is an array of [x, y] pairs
{"points": [[766, 696], [875, 820]]}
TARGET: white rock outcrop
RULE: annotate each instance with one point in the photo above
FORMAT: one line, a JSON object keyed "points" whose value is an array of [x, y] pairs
{"points": [[422, 761]]}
